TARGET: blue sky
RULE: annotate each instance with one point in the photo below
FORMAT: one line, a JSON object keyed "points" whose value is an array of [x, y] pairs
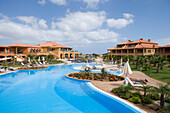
{"points": [[89, 26]]}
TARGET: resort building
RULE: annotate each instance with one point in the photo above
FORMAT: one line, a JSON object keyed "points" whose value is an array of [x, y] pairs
{"points": [[138, 47], [163, 50], [22, 50]]}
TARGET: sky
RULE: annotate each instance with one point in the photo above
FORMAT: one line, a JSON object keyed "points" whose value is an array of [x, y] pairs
{"points": [[89, 26]]}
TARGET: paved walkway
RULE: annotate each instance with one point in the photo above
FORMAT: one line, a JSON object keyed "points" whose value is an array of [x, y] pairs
{"points": [[108, 86]]}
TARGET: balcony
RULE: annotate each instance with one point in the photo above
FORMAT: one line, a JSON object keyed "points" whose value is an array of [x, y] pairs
{"points": [[39, 53], [2, 53]]}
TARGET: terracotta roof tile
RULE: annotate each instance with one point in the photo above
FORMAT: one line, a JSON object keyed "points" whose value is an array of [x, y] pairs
{"points": [[137, 41], [22, 45], [2, 46], [146, 46], [52, 44], [138, 46], [164, 46]]}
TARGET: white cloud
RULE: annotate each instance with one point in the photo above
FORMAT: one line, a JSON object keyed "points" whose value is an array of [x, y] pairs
{"points": [[33, 21], [42, 24], [127, 15], [59, 2], [76, 29], [120, 23], [93, 3], [80, 21], [27, 19], [42, 2]]}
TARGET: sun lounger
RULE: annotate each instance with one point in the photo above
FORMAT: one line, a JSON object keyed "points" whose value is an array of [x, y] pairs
{"points": [[40, 63], [131, 83], [2, 69], [37, 64], [22, 64], [29, 65], [11, 68]]}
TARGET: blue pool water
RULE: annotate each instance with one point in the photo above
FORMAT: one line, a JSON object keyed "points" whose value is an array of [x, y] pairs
{"points": [[48, 90]]}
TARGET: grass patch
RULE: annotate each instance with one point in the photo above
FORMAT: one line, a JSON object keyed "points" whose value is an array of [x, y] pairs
{"points": [[163, 76]]}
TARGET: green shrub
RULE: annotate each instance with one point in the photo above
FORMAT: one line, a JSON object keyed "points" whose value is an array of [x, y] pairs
{"points": [[135, 100], [153, 96], [136, 94], [125, 95], [70, 75], [167, 99], [146, 100]]}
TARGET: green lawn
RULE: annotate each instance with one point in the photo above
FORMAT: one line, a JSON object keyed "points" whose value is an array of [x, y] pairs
{"points": [[163, 76]]}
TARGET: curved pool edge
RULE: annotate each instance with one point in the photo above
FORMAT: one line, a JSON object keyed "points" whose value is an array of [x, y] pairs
{"points": [[115, 98], [1, 74], [76, 79]]}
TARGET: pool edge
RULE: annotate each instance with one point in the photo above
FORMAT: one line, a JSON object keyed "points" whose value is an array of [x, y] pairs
{"points": [[115, 97]]}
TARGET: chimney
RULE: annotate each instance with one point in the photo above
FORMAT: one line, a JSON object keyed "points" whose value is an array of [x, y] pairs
{"points": [[129, 40], [149, 40], [141, 38]]}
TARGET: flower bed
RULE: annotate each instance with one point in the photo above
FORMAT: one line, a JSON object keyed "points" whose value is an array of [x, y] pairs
{"points": [[95, 76]]}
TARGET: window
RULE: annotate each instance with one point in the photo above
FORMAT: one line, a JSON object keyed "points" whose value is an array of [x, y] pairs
{"points": [[31, 50], [149, 51]]}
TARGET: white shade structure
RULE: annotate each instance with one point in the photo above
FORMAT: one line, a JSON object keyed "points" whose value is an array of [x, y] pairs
{"points": [[29, 59], [39, 59], [87, 63], [126, 70], [43, 58]]}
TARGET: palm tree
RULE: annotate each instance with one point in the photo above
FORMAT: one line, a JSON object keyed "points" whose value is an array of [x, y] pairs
{"points": [[30, 56], [163, 90], [125, 58], [146, 65], [131, 58], [114, 58], [158, 61], [106, 57], [145, 89], [104, 73], [13, 59], [46, 58], [153, 60], [137, 61], [50, 57], [164, 61], [36, 57]]}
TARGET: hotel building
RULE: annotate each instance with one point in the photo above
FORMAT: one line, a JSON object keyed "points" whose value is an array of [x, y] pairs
{"points": [[138, 47], [49, 48]]}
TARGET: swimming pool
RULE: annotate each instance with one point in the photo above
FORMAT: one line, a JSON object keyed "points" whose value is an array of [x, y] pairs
{"points": [[48, 90]]}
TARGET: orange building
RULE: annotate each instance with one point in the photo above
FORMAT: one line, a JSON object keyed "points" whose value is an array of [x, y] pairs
{"points": [[164, 50], [138, 47], [22, 50]]}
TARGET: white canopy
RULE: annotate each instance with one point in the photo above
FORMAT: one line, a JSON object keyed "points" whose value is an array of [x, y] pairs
{"points": [[126, 70], [29, 59], [87, 63], [39, 59], [43, 58]]}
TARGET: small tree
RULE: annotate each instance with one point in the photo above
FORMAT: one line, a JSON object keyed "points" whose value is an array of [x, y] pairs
{"points": [[137, 61], [145, 89], [163, 90], [125, 58], [13, 59], [114, 58], [164, 61], [104, 73]]}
